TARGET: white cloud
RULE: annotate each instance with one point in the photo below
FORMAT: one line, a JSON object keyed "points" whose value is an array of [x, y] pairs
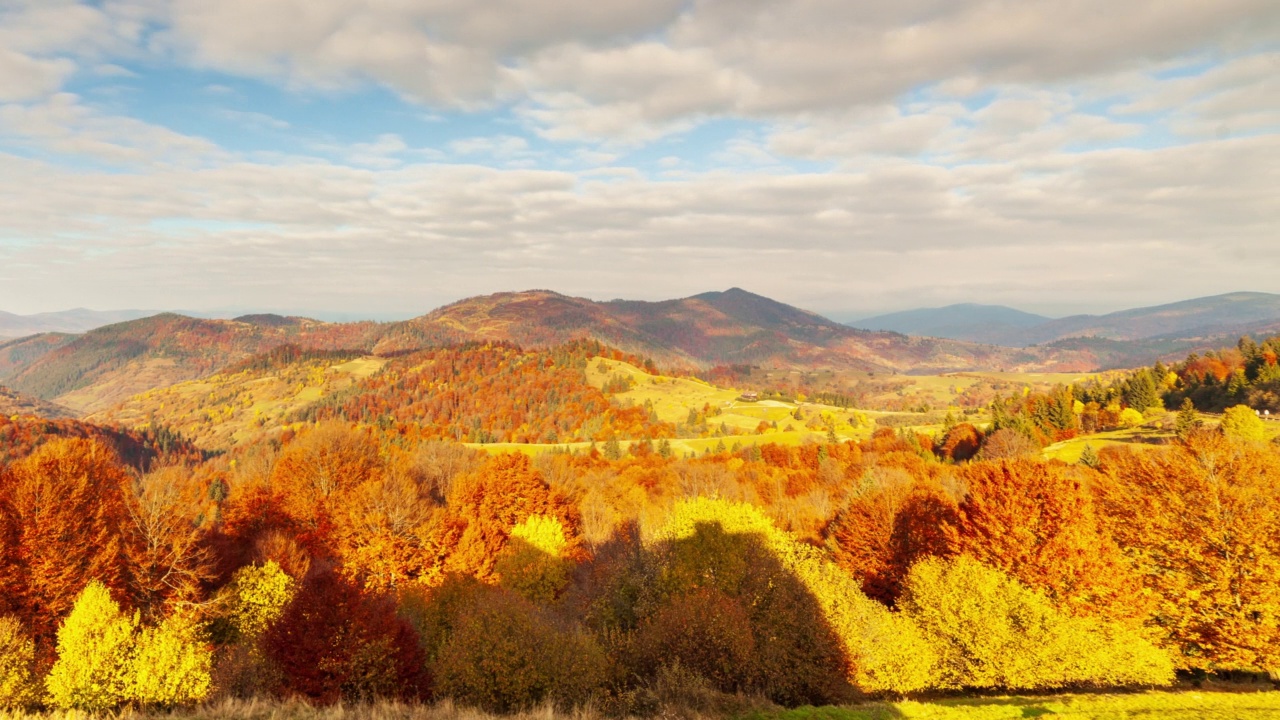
{"points": [[27, 78], [63, 124], [1000, 150], [1101, 226]]}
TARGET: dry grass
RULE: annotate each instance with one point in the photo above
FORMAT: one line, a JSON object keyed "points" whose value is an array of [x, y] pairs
{"points": [[269, 709], [1167, 705]]}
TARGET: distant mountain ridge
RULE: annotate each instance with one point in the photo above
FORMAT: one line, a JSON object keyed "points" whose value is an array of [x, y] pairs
{"points": [[716, 328], [1214, 316], [92, 372], [97, 370], [77, 320], [971, 322]]}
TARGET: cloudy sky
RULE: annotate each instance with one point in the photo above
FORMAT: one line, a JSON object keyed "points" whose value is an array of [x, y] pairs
{"points": [[383, 157]]}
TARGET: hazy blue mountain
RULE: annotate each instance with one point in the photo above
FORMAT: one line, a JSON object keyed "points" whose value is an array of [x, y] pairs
{"points": [[1189, 318], [77, 320], [995, 324], [1208, 317]]}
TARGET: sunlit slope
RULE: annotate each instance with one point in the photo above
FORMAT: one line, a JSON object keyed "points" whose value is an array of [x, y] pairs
{"points": [[96, 371], [16, 404], [225, 408], [717, 328]]}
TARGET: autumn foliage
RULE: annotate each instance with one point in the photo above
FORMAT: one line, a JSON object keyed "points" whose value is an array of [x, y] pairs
{"points": [[347, 561]]}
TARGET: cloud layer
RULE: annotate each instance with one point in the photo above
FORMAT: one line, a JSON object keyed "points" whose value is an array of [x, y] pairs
{"points": [[848, 157]]}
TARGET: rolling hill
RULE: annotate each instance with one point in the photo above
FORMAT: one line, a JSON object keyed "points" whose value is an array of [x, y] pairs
{"points": [[993, 324], [717, 328], [103, 367], [66, 321], [15, 404], [1201, 317], [96, 371], [16, 355]]}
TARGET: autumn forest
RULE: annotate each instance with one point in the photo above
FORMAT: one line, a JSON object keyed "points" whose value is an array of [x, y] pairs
{"points": [[570, 523]]}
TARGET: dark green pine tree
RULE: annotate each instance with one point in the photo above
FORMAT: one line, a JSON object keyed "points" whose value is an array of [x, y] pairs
{"points": [[1187, 419], [1089, 457], [1140, 392]]}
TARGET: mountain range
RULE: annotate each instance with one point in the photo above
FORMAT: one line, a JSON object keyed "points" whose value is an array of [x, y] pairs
{"points": [[1202, 318], [77, 320], [93, 371]]}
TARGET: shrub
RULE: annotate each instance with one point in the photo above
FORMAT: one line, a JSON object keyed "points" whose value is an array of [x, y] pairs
{"points": [[1242, 423], [1007, 443], [533, 564], [804, 600], [704, 632], [254, 599], [990, 631], [170, 664], [434, 612], [504, 655], [94, 644], [334, 643], [1131, 418], [18, 687], [961, 443]]}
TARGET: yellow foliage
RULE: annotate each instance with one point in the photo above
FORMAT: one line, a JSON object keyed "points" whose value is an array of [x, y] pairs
{"points": [[93, 653], [1131, 418], [533, 564], [885, 651], [990, 631], [259, 594], [542, 532], [1242, 423], [17, 656], [170, 666]]}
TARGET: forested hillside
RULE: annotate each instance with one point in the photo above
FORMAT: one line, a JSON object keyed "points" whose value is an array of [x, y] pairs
{"points": [[103, 367], [359, 551]]}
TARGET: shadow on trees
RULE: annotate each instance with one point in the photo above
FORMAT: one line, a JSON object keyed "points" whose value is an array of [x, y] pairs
{"points": [[716, 607]]}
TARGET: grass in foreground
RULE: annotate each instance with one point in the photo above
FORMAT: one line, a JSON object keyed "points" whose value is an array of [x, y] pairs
{"points": [[1173, 705]]}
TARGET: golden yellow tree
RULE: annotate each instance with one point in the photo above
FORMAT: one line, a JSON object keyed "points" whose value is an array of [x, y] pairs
{"points": [[94, 645], [991, 631], [18, 688], [170, 664]]}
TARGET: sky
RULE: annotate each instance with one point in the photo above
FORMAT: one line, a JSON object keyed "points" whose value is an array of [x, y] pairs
{"points": [[383, 157]]}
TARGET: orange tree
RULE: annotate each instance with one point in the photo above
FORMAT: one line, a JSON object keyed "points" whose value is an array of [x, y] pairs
{"points": [[63, 523], [1201, 521], [1038, 522]]}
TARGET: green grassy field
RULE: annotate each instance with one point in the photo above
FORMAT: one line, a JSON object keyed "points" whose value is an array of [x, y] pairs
{"points": [[673, 397], [1150, 435], [1140, 437], [941, 391], [680, 447], [1164, 705]]}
